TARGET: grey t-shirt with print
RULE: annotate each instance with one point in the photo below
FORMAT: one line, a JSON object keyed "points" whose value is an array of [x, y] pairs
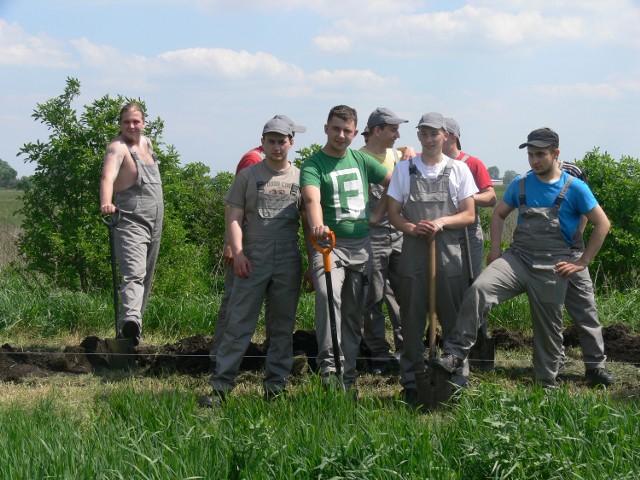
{"points": [[271, 202]]}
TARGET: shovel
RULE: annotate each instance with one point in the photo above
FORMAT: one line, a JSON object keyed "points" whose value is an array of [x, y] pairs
{"points": [[483, 353], [120, 350], [434, 385], [326, 260]]}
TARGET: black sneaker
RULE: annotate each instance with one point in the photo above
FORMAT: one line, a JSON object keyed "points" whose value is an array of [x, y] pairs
{"points": [[598, 376], [449, 363], [131, 330], [214, 400]]}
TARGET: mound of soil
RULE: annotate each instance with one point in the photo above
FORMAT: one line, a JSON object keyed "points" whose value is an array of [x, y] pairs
{"points": [[191, 355]]}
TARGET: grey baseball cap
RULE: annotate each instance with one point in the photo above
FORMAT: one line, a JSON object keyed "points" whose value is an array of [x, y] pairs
{"points": [[284, 125], [384, 116], [432, 119], [542, 137], [453, 127], [365, 131]]}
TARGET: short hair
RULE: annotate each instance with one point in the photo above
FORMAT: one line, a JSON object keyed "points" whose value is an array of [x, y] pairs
{"points": [[343, 112]]}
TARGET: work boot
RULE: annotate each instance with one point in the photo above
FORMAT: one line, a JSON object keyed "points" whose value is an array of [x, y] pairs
{"points": [[598, 376], [410, 397], [131, 330], [449, 363], [216, 399]]}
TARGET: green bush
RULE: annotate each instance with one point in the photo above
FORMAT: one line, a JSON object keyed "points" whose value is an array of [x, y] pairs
{"points": [[63, 235], [616, 185]]}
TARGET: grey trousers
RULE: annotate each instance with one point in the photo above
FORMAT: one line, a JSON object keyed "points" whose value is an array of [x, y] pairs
{"points": [[384, 287], [276, 275], [581, 307], [137, 243], [221, 319], [349, 294], [506, 278]]}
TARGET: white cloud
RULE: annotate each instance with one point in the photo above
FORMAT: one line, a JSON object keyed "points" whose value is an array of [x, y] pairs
{"points": [[231, 64], [489, 25], [19, 49]]}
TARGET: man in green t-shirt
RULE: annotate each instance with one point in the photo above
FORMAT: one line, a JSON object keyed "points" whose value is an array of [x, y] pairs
{"points": [[335, 183]]}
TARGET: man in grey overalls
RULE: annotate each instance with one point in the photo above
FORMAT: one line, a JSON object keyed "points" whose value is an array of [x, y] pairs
{"points": [[550, 203], [264, 207], [386, 246], [580, 304], [430, 196], [131, 191]]}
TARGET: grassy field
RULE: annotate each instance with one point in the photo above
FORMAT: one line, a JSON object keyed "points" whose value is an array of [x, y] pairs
{"points": [[10, 223], [124, 424]]}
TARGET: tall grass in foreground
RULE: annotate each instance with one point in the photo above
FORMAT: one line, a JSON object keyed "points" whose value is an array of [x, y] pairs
{"points": [[158, 434]]}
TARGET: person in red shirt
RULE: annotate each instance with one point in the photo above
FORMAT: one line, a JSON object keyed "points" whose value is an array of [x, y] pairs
{"points": [[486, 197]]}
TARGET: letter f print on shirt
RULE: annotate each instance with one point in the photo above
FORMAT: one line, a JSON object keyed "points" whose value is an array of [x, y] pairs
{"points": [[349, 194]]}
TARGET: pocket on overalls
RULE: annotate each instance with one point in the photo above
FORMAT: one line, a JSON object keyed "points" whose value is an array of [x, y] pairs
{"points": [[127, 201]]}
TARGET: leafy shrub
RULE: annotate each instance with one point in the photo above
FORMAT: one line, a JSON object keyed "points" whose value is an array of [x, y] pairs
{"points": [[616, 185], [63, 235]]}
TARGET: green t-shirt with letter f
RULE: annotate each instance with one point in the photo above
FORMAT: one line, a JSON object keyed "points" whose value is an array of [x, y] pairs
{"points": [[344, 189]]}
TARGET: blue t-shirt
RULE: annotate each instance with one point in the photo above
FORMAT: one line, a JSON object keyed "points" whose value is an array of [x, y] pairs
{"points": [[578, 200]]}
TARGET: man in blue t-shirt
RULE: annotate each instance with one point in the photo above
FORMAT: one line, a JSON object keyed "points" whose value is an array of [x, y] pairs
{"points": [[550, 204]]}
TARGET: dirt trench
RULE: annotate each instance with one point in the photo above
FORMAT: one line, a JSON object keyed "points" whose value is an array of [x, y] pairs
{"points": [[191, 355]]}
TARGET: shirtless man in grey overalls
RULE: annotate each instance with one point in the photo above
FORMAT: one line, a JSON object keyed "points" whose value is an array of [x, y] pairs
{"points": [[131, 190]]}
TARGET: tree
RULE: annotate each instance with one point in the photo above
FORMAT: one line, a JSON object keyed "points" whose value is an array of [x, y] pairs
{"points": [[508, 177], [63, 235], [7, 175], [494, 173], [616, 186]]}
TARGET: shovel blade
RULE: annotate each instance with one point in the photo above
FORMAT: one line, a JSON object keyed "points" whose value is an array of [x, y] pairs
{"points": [[434, 388], [121, 353], [483, 353]]}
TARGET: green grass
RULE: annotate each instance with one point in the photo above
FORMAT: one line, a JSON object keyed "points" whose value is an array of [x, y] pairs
{"points": [[132, 429], [9, 204]]}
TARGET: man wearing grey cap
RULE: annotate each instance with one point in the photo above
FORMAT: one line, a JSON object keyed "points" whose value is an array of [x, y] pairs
{"points": [[550, 206], [264, 207], [486, 197], [383, 129], [430, 198]]}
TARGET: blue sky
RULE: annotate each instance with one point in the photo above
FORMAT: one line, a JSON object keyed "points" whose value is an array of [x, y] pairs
{"points": [[216, 71]]}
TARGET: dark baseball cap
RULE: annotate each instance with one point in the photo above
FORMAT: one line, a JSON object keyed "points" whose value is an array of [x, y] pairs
{"points": [[284, 125], [542, 137], [384, 116]]}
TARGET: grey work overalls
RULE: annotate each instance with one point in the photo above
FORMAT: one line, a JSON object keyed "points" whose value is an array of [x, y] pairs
{"points": [[428, 199], [384, 282], [137, 238], [276, 275], [527, 266]]}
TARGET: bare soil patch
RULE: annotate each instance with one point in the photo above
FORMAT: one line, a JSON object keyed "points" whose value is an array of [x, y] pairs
{"points": [[191, 355]]}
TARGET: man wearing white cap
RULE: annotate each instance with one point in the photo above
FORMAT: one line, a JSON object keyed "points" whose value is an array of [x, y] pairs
{"points": [[383, 129], [430, 197], [538, 262], [264, 207]]}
